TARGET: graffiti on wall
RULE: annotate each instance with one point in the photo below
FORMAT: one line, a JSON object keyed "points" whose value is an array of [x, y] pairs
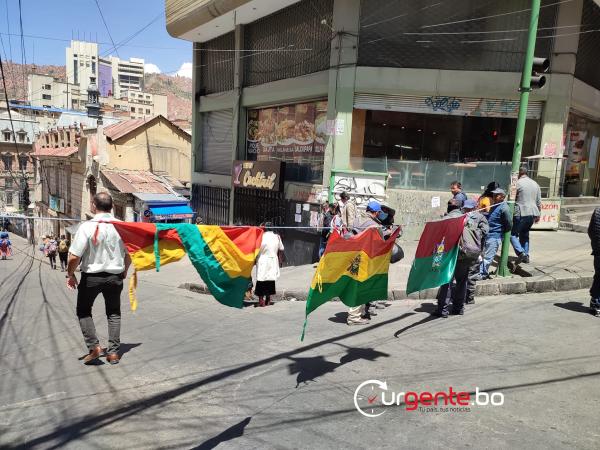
{"points": [[439, 103], [361, 188]]}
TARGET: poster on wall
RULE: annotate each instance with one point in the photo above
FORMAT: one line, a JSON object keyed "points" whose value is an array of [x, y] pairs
{"points": [[550, 215], [288, 133], [576, 155]]}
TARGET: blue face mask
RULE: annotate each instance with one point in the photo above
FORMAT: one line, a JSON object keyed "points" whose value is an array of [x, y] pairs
{"points": [[382, 215]]}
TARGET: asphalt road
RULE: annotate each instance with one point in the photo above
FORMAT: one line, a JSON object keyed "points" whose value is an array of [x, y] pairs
{"points": [[196, 374]]}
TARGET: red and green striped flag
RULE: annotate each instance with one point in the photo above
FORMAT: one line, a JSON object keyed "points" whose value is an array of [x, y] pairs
{"points": [[436, 254], [354, 269]]}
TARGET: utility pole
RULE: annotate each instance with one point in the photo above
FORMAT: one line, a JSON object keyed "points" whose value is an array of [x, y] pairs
{"points": [[525, 88]]}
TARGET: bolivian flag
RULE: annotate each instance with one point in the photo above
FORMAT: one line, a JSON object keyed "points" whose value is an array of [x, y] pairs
{"points": [[354, 269], [435, 259], [223, 256]]}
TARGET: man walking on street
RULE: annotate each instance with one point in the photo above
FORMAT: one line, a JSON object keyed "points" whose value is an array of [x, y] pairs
{"points": [[104, 264], [528, 205], [499, 223], [594, 234], [348, 211]]}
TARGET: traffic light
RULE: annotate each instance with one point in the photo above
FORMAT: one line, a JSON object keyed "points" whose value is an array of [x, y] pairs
{"points": [[540, 66]]}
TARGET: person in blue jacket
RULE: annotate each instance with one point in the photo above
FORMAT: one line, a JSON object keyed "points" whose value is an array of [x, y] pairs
{"points": [[500, 222]]}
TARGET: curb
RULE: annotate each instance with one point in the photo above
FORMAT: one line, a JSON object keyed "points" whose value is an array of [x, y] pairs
{"points": [[558, 281]]}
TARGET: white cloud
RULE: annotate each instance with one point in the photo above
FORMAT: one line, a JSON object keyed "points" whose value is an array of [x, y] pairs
{"points": [[185, 70], [151, 68]]}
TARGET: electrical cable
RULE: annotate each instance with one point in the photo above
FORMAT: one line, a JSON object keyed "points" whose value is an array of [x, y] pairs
{"points": [[106, 26]]}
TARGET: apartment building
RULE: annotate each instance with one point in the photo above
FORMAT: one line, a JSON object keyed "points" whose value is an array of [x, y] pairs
{"points": [[82, 63]]}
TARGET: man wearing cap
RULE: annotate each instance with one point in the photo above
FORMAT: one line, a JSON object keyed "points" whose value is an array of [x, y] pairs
{"points": [[370, 218], [348, 210], [499, 223], [528, 204]]}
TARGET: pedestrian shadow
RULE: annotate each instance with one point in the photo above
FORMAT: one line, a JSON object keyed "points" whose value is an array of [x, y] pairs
{"points": [[340, 317], [311, 368], [123, 348], [574, 306], [230, 433], [429, 308]]}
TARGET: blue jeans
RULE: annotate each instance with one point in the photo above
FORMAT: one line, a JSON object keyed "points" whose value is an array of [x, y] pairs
{"points": [[519, 236], [489, 251], [322, 246]]}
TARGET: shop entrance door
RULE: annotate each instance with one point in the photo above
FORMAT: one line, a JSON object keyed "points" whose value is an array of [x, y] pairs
{"points": [[255, 206]]}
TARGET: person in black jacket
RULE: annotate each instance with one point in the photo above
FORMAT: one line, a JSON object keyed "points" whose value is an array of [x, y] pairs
{"points": [[594, 234]]}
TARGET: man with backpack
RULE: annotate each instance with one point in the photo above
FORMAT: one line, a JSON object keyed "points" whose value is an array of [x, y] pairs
{"points": [[470, 247], [63, 252]]}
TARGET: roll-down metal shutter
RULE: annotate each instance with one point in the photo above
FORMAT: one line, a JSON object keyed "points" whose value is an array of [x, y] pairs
{"points": [[441, 104], [217, 141]]}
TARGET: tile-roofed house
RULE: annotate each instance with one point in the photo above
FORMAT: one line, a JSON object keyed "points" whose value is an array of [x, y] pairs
{"points": [[130, 181]]}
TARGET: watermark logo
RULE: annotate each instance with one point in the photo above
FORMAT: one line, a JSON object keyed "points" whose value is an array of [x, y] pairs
{"points": [[371, 398]]}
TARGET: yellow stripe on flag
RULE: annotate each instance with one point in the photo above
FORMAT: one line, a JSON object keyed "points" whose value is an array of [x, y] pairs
{"points": [[170, 251], [353, 264], [230, 257]]}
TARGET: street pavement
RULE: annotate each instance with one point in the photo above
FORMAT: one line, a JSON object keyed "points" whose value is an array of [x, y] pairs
{"points": [[196, 374]]}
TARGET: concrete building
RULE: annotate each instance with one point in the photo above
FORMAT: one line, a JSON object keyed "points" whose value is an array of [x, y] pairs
{"points": [[82, 63], [388, 100], [126, 75], [18, 166]]}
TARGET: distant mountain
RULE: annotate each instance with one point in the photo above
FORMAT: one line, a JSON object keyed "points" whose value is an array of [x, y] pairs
{"points": [[177, 89]]}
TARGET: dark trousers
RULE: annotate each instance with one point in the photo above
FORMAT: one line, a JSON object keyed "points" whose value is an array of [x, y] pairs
{"points": [[520, 234], [110, 286], [63, 259], [455, 295], [471, 280], [52, 258], [595, 289]]}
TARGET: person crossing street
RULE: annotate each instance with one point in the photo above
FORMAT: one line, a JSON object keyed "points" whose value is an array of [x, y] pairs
{"points": [[104, 263]]}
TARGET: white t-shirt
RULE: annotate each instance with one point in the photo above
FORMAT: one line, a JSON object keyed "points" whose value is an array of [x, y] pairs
{"points": [[267, 266], [107, 254]]}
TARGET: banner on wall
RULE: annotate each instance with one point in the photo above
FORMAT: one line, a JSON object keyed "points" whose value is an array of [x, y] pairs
{"points": [[289, 132], [550, 215]]}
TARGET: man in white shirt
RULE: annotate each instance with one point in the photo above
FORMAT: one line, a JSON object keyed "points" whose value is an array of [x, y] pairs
{"points": [[104, 263]]}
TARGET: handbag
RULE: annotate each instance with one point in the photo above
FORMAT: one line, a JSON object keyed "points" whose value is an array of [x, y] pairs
{"points": [[397, 253]]}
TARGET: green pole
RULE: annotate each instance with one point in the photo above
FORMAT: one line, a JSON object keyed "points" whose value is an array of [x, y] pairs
{"points": [[516, 161], [331, 185]]}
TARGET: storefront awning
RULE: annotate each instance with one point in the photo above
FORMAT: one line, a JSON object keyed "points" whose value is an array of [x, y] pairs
{"points": [[172, 212]]}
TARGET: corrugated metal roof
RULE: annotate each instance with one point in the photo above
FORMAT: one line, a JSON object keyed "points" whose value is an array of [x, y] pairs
{"points": [[132, 181], [159, 198], [60, 151], [127, 126]]}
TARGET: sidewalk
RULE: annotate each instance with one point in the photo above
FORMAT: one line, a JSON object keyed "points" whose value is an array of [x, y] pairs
{"points": [[560, 261]]}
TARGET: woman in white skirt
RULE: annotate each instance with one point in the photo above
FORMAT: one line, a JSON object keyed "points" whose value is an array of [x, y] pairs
{"points": [[267, 267]]}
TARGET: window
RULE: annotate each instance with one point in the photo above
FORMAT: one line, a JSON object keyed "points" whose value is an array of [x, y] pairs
{"points": [[46, 97], [80, 63], [141, 110], [6, 135], [147, 111], [93, 66], [23, 162], [7, 160], [47, 87], [75, 68], [87, 64], [22, 136], [9, 198], [148, 97], [8, 183], [132, 109]]}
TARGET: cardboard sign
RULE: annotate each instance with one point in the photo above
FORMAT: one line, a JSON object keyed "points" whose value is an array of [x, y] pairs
{"points": [[550, 215]]}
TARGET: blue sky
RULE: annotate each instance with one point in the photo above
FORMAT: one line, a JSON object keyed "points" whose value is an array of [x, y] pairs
{"points": [[63, 19]]}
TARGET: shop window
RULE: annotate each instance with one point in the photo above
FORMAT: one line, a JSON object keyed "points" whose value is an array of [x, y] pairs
{"points": [[295, 134], [428, 151]]}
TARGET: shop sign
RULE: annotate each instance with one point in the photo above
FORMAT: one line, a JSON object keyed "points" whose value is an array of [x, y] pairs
{"points": [[550, 215], [289, 131], [265, 175], [57, 204]]}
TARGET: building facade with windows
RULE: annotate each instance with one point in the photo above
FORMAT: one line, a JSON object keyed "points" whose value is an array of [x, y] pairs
{"points": [[17, 167], [387, 99], [82, 63]]}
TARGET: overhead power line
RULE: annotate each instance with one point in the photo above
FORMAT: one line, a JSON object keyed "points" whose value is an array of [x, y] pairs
{"points": [[106, 26]]}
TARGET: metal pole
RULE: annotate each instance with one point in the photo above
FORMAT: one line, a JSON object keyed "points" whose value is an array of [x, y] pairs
{"points": [[524, 89]]}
